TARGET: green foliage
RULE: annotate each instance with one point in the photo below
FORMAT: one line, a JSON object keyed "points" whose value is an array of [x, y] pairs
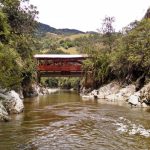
{"points": [[57, 51], [113, 55], [108, 33], [64, 83], [17, 27], [67, 43], [68, 83], [87, 44], [55, 44], [52, 82], [133, 50], [10, 70], [4, 28], [21, 16], [48, 44], [98, 64], [123, 56]]}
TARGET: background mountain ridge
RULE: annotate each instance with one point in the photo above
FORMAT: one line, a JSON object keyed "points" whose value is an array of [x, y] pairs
{"points": [[44, 28]]}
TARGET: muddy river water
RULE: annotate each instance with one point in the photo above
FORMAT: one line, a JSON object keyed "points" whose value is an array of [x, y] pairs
{"points": [[63, 121]]}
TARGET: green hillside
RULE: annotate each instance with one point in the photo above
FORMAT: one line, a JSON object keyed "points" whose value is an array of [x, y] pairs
{"points": [[52, 43], [44, 28]]}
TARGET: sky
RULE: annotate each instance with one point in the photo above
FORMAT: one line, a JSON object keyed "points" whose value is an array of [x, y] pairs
{"points": [[88, 15]]}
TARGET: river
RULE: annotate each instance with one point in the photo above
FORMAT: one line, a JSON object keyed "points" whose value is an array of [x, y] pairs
{"points": [[63, 121]]}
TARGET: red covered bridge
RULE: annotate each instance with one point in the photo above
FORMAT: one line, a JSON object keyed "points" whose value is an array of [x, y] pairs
{"points": [[49, 65]]}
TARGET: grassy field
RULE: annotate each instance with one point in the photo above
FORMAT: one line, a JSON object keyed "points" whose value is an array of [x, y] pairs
{"points": [[72, 50], [75, 36]]}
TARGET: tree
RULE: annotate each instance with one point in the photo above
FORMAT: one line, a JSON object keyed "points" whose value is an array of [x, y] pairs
{"points": [[21, 19], [108, 31], [17, 28], [147, 14], [10, 70], [21, 16], [4, 28], [107, 27], [130, 60]]}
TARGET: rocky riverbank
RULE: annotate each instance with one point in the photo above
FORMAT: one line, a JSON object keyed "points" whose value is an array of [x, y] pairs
{"points": [[40, 90], [116, 92], [11, 102], [36, 90]]}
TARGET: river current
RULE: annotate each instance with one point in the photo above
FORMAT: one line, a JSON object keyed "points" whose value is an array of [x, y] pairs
{"points": [[63, 121]]}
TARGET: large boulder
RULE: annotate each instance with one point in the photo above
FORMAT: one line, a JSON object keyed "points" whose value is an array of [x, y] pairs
{"points": [[50, 91], [125, 93], [12, 102], [107, 90]]}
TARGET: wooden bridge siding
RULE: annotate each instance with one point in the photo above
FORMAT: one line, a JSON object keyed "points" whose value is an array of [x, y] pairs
{"points": [[59, 64], [58, 61], [59, 67]]}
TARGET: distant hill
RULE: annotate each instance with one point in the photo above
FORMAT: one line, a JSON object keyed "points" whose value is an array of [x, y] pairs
{"points": [[92, 32], [44, 28]]}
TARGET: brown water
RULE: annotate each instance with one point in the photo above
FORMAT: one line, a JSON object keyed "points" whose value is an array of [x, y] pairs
{"points": [[62, 121]]}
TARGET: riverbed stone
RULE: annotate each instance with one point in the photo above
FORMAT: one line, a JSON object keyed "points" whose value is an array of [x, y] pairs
{"points": [[88, 97], [128, 90], [145, 94], [134, 99], [50, 91]]}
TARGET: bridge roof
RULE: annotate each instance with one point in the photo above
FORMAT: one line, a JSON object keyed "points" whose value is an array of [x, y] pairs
{"points": [[38, 56]]}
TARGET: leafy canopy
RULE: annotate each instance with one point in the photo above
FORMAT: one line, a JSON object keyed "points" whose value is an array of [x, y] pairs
{"points": [[17, 28]]}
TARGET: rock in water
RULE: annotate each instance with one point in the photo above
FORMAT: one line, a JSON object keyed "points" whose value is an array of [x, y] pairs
{"points": [[12, 102]]}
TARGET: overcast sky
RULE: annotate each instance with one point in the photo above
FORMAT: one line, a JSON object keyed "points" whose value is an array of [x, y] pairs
{"points": [[87, 15]]}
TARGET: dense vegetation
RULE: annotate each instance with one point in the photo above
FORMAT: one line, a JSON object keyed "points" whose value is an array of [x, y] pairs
{"points": [[64, 83], [17, 28], [59, 44], [20, 38], [122, 56]]}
